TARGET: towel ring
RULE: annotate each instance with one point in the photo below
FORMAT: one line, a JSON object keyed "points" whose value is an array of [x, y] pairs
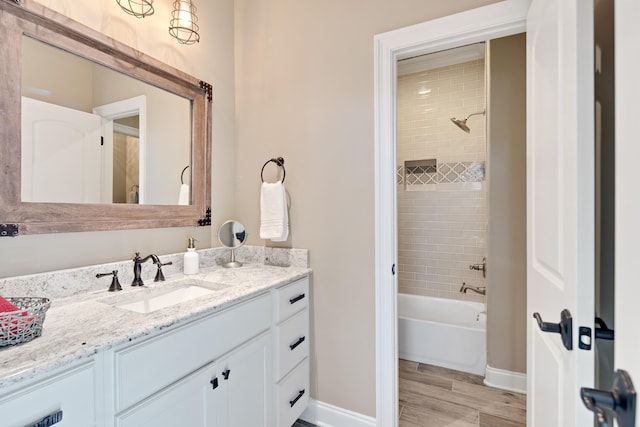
{"points": [[278, 161], [182, 174]]}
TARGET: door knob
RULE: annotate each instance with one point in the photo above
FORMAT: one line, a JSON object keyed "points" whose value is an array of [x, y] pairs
{"points": [[564, 328], [621, 401]]}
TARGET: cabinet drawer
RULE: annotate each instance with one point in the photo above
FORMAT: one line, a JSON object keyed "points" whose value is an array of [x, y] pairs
{"points": [[72, 392], [293, 394], [292, 342], [144, 368], [291, 298]]}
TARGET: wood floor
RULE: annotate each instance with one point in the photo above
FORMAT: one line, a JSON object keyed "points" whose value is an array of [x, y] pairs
{"points": [[431, 396]]}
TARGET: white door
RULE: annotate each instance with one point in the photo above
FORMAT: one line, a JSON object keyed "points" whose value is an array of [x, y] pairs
{"points": [[61, 154], [627, 315], [560, 207]]}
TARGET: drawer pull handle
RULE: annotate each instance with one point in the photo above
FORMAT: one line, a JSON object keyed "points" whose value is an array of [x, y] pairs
{"points": [[296, 299], [214, 383], [297, 343], [225, 374], [49, 420], [294, 401]]}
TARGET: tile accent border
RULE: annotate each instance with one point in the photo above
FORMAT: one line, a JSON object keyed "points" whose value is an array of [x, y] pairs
{"points": [[326, 415], [444, 173]]}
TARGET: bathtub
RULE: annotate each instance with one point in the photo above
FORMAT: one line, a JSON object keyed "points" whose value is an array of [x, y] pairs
{"points": [[442, 332]]}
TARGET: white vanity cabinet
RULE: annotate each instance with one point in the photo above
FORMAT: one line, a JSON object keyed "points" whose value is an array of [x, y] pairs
{"points": [[291, 320], [210, 372], [244, 365], [65, 399]]}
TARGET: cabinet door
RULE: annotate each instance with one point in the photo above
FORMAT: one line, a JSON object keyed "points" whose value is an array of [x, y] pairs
{"points": [[189, 402], [244, 398]]}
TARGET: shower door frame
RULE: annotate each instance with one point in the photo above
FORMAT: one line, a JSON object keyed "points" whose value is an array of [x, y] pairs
{"points": [[496, 20]]}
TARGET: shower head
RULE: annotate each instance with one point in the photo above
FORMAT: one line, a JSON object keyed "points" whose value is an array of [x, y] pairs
{"points": [[462, 123]]}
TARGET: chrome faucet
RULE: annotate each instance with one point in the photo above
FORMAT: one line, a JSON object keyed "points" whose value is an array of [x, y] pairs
{"points": [[482, 290], [480, 267]]}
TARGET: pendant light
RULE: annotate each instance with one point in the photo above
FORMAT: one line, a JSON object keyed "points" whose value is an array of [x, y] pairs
{"points": [[137, 8], [184, 22]]}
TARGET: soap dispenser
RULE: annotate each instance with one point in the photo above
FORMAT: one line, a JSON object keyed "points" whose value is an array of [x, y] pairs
{"points": [[191, 258]]}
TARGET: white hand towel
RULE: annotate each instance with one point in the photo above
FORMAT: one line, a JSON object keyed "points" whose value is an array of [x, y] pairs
{"points": [[274, 218], [183, 198]]}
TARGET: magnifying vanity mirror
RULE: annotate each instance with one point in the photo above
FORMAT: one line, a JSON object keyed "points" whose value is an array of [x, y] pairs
{"points": [[96, 134], [232, 235]]}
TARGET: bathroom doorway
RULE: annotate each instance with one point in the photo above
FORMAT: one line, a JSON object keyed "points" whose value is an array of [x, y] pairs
{"points": [[493, 21], [450, 210]]}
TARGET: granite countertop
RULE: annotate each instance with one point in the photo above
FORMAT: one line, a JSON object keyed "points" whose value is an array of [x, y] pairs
{"points": [[78, 326]]}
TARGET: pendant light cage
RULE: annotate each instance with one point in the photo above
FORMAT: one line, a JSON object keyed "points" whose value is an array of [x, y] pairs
{"points": [[137, 8], [184, 22]]}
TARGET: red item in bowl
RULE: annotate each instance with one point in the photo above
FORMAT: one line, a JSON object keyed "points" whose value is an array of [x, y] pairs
{"points": [[6, 306]]}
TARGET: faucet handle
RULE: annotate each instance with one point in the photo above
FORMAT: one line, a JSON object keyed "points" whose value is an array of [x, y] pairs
{"points": [[159, 274], [115, 283]]}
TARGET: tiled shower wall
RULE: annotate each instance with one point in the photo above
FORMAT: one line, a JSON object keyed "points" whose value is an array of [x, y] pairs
{"points": [[442, 211]]}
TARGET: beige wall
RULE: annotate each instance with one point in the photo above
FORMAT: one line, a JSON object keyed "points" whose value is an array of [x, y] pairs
{"points": [[305, 92], [506, 301], [211, 60]]}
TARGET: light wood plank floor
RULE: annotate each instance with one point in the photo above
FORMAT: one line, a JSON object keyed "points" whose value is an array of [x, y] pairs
{"points": [[431, 396]]}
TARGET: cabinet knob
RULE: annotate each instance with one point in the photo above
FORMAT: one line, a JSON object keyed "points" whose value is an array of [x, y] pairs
{"points": [[214, 383]]}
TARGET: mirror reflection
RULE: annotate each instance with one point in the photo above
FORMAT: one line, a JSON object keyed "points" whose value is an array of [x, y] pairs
{"points": [[94, 135], [232, 235]]}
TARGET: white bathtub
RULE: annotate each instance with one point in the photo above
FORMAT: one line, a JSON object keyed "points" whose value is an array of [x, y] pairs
{"points": [[442, 332]]}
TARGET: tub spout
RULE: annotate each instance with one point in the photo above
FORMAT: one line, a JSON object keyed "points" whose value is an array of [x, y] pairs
{"points": [[482, 290]]}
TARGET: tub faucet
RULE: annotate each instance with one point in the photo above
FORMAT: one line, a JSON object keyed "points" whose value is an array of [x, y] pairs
{"points": [[482, 290]]}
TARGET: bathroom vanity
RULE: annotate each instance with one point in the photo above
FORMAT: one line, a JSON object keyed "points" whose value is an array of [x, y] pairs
{"points": [[235, 356]]}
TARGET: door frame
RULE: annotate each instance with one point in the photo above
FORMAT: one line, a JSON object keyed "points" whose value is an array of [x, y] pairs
{"points": [[496, 20], [135, 106]]}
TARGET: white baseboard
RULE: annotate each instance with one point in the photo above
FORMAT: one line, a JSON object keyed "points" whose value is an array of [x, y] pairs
{"points": [[325, 415], [505, 380]]}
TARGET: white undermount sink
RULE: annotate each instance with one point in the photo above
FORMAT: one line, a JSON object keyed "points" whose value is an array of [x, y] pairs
{"points": [[150, 300]]}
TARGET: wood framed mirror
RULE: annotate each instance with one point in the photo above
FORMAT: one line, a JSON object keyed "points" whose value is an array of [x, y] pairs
{"points": [[171, 141]]}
